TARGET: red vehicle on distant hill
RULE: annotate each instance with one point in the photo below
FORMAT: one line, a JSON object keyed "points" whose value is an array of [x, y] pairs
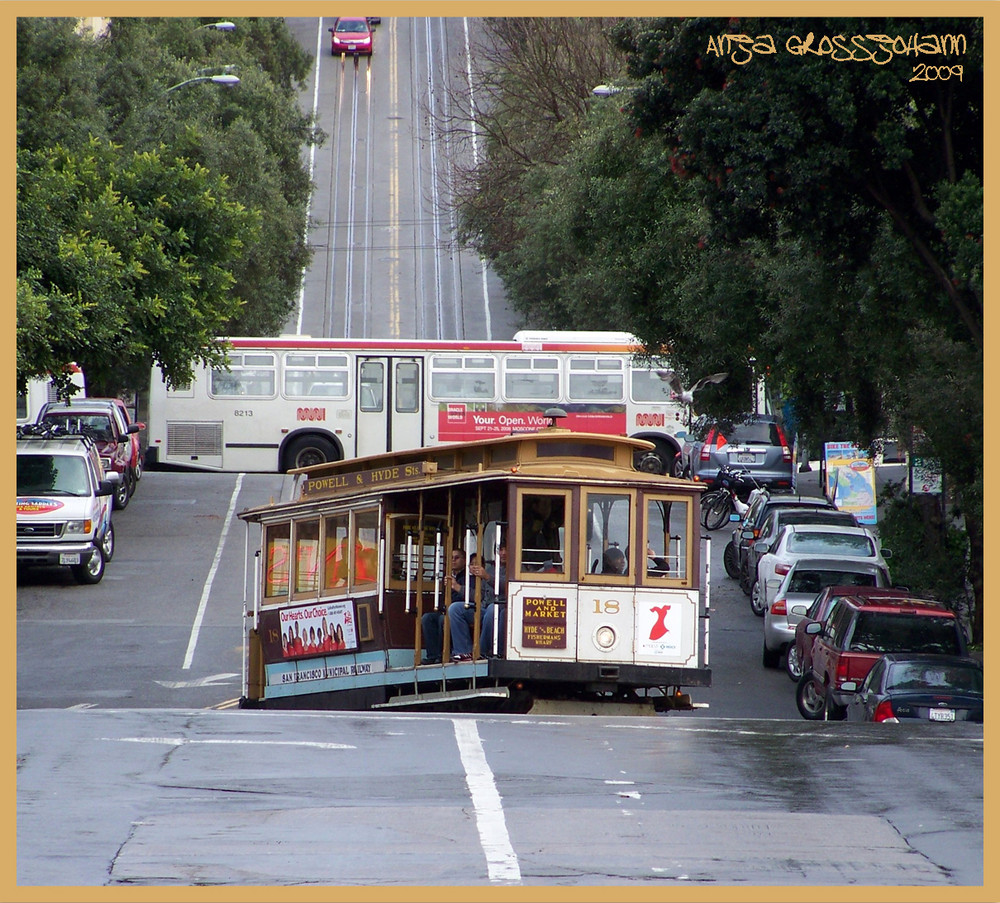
{"points": [[353, 35]]}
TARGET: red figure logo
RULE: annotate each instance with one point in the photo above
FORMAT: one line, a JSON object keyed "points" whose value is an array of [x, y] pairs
{"points": [[659, 628]]}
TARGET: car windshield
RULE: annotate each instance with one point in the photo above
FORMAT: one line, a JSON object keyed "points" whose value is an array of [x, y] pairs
{"points": [[878, 631], [352, 26], [934, 676], [831, 544], [97, 425], [813, 580], [52, 475]]}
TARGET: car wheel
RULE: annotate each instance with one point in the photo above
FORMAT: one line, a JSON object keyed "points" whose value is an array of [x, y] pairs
{"points": [[137, 470], [810, 703], [757, 601], [123, 491], [678, 467], [793, 662], [771, 658], [744, 579], [731, 560], [91, 572], [108, 543]]}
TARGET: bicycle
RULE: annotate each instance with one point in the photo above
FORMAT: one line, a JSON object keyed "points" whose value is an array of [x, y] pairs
{"points": [[724, 498]]}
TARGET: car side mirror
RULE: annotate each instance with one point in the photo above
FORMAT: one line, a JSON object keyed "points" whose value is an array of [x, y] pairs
{"points": [[814, 628], [747, 534], [799, 610], [106, 487], [886, 554], [133, 428], [734, 518], [849, 686]]}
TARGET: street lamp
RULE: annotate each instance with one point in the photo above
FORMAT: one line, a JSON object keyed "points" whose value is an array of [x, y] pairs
{"points": [[606, 90], [219, 26], [227, 80]]}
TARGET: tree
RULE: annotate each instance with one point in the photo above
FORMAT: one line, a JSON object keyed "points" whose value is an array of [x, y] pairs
{"points": [[97, 107], [131, 254]]}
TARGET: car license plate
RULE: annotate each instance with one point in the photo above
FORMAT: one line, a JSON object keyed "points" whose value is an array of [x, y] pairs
{"points": [[942, 714], [746, 458], [69, 557]]}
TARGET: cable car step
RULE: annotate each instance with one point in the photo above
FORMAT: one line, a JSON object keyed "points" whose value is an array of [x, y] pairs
{"points": [[421, 699]]}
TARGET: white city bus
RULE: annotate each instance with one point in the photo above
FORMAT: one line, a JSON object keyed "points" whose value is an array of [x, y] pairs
{"points": [[296, 401]]}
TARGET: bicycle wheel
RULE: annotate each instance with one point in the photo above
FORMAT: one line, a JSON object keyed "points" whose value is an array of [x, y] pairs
{"points": [[718, 513]]}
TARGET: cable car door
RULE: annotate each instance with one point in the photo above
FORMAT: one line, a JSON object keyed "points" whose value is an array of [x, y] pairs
{"points": [[389, 404]]}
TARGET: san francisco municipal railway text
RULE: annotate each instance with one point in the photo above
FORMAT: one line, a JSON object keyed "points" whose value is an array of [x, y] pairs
{"points": [[869, 48]]}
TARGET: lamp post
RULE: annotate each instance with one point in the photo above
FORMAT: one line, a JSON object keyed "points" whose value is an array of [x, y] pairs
{"points": [[606, 90], [219, 26], [226, 80]]}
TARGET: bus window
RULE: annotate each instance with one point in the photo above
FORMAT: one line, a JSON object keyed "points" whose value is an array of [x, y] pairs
{"points": [[309, 375], [599, 378], [648, 386], [306, 556], [248, 374], [372, 389], [365, 548], [608, 533], [463, 378], [543, 531], [531, 379], [336, 560], [276, 545], [407, 391], [667, 528]]}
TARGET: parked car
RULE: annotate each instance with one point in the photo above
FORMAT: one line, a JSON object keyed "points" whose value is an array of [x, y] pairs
{"points": [[63, 504], [802, 584], [747, 530], [756, 442], [858, 631], [799, 657], [353, 35], [108, 429], [778, 518], [119, 405], [796, 541], [939, 688]]}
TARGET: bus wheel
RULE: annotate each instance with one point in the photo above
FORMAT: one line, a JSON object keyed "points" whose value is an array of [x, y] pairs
{"points": [[659, 460], [307, 451]]}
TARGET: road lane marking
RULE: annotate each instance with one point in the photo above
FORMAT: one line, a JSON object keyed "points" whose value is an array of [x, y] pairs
{"points": [[211, 681], [207, 589], [501, 860], [184, 741]]}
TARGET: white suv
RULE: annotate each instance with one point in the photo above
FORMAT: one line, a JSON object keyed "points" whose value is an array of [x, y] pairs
{"points": [[64, 502]]}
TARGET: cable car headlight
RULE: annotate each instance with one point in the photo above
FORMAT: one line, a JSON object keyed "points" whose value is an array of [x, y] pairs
{"points": [[605, 638]]}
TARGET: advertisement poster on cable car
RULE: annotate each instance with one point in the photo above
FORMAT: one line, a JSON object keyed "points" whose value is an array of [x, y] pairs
{"points": [[320, 628], [850, 480]]}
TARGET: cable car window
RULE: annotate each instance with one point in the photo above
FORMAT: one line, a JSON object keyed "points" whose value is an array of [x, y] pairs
{"points": [[543, 532], [608, 533], [336, 560], [667, 529], [276, 557], [307, 556], [365, 549]]}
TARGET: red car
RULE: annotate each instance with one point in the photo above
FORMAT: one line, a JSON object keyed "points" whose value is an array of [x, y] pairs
{"points": [[353, 35], [858, 631], [108, 428]]}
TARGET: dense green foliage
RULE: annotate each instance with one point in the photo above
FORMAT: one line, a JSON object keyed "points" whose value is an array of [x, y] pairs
{"points": [[151, 220], [794, 214]]}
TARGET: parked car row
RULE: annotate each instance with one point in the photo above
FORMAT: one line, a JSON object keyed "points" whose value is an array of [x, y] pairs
{"points": [[77, 463], [856, 646]]}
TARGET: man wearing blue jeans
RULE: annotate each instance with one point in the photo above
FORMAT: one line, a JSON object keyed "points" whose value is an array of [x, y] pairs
{"points": [[463, 618], [496, 610], [432, 623]]}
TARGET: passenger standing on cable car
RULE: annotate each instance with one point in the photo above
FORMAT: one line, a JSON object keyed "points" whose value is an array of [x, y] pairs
{"points": [[497, 605], [432, 623], [462, 613]]}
